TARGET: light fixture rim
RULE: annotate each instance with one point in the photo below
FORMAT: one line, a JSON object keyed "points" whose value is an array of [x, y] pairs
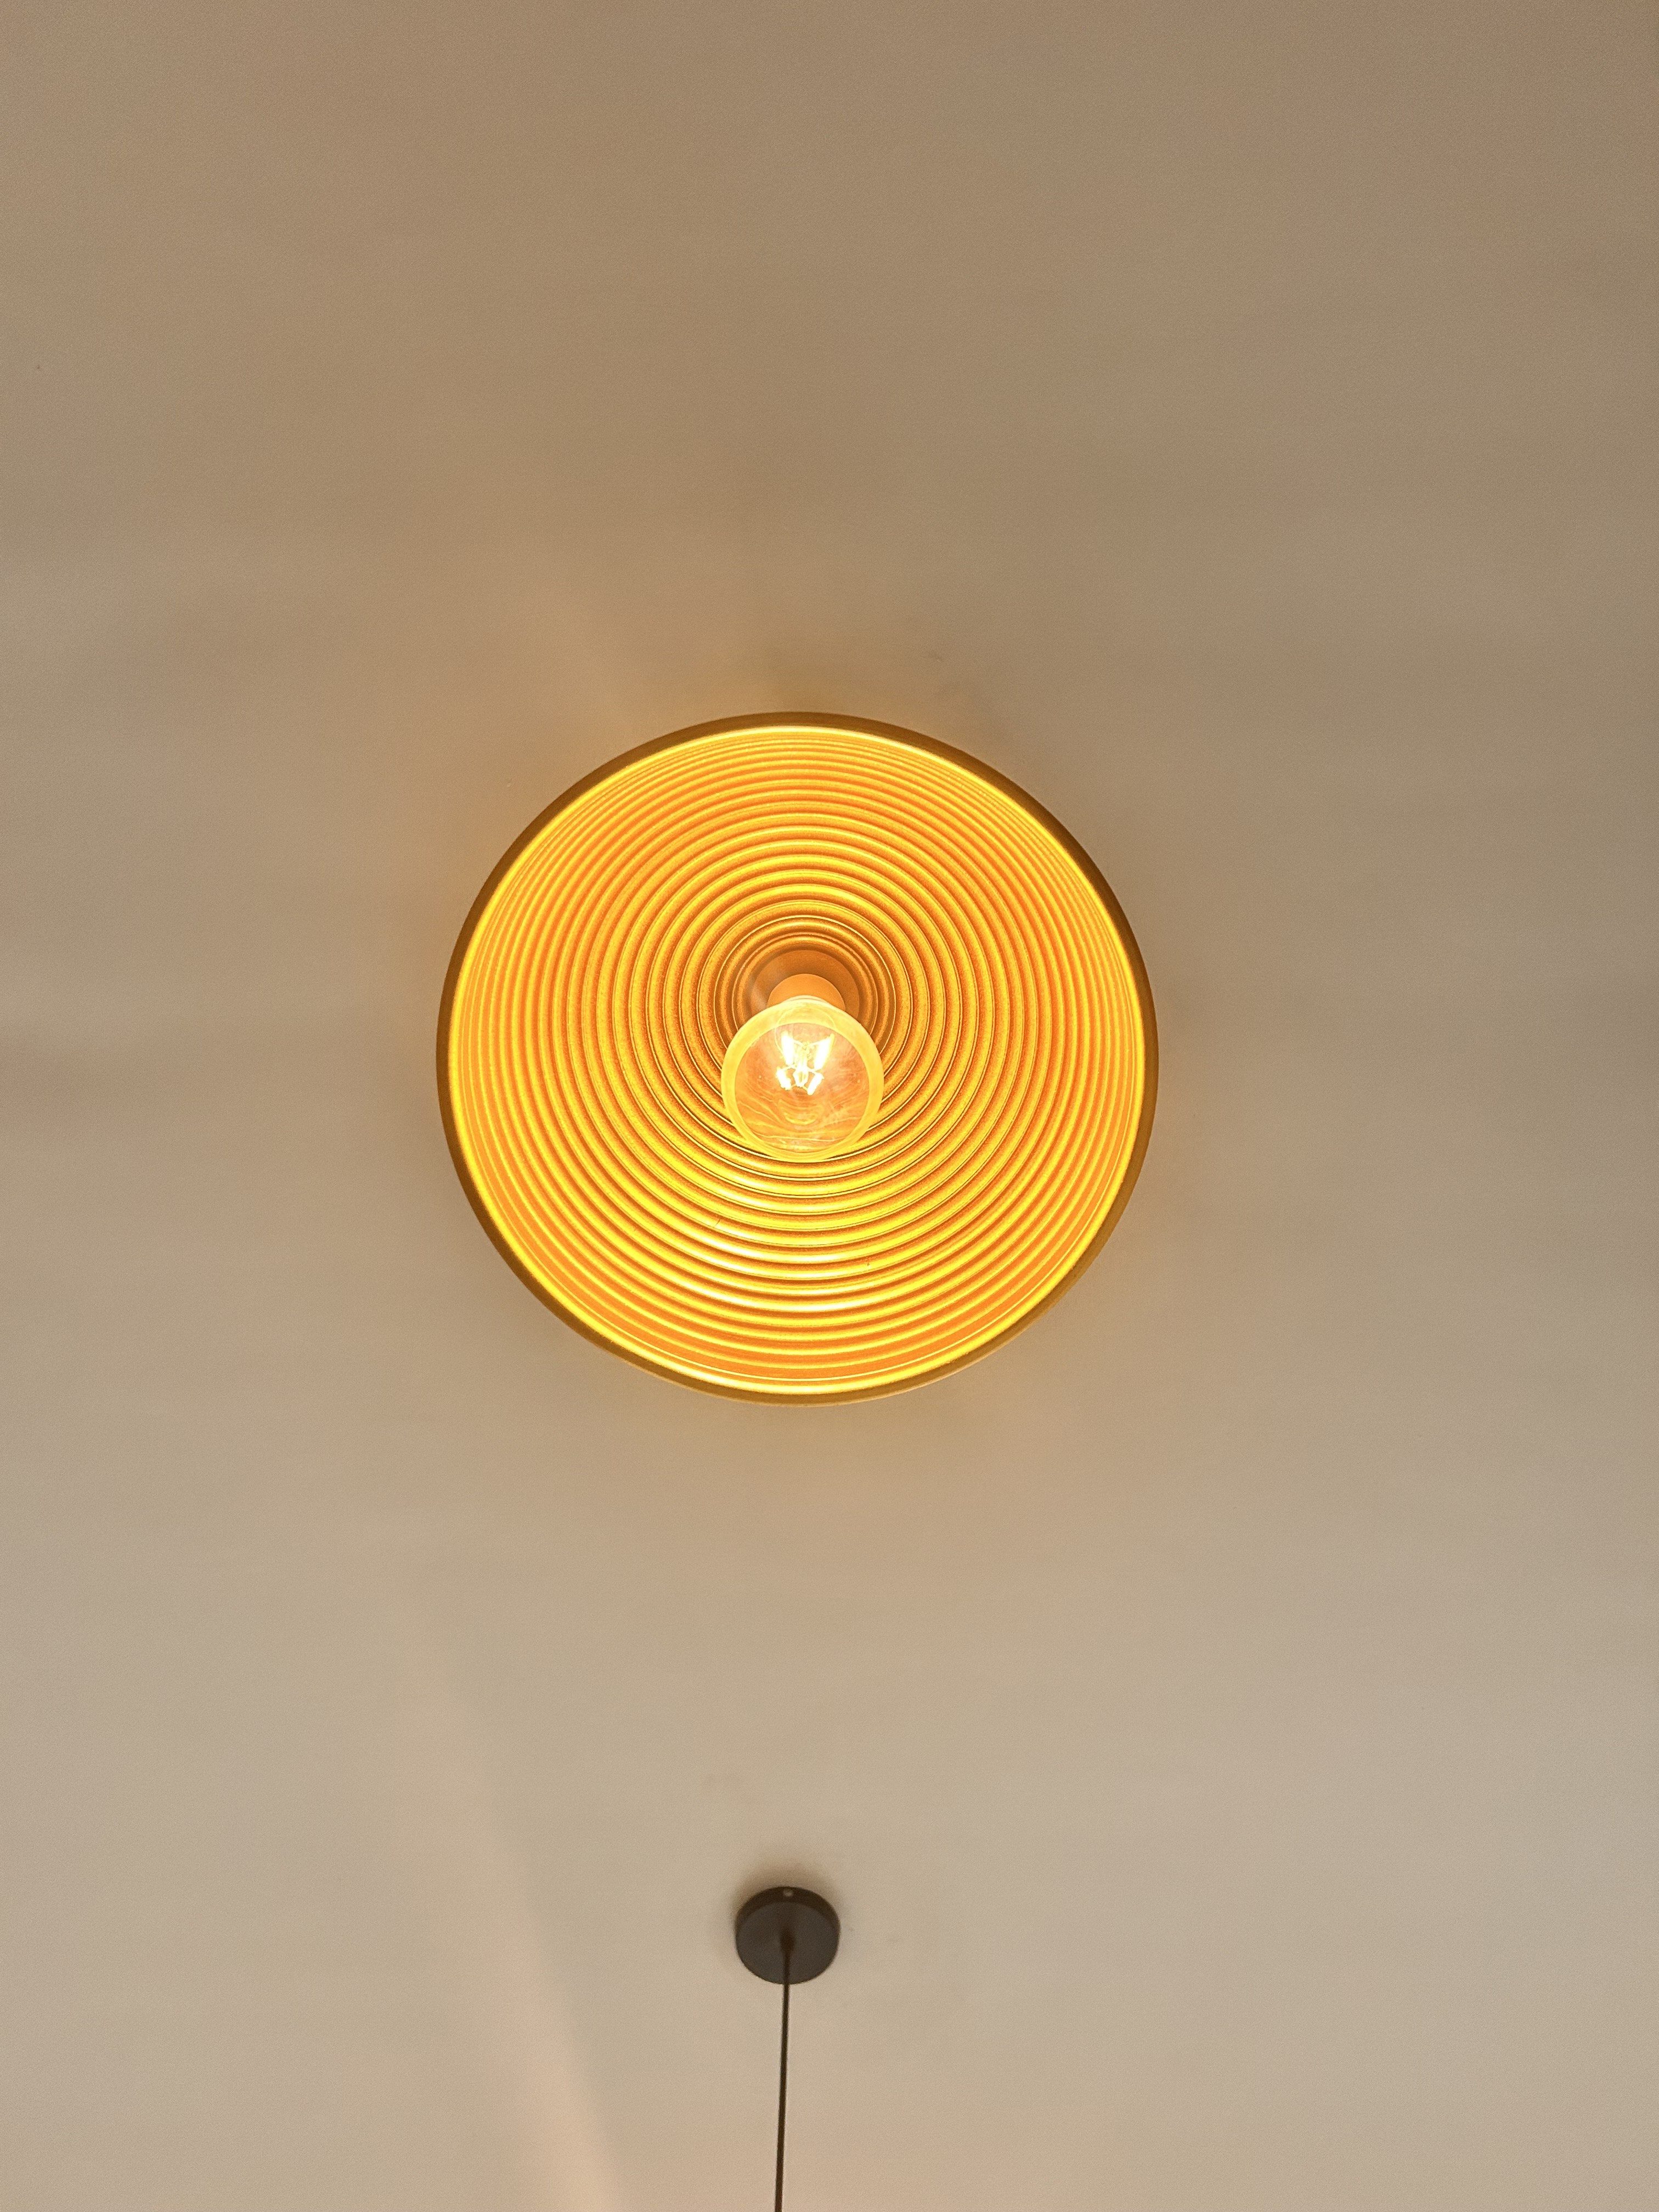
{"points": [[857, 726]]}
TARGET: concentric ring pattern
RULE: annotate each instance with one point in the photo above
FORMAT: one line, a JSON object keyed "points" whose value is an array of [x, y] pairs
{"points": [[602, 974]]}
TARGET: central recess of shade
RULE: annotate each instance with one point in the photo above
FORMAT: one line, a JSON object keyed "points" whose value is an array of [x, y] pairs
{"points": [[802, 1079]]}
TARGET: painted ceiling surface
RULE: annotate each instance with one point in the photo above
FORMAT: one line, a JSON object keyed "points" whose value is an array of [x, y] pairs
{"points": [[1225, 1717]]}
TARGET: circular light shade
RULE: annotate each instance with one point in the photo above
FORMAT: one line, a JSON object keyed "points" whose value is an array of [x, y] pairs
{"points": [[997, 1026], [801, 1080]]}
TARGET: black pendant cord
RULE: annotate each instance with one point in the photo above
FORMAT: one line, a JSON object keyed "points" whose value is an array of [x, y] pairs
{"points": [[786, 1935], [789, 1947]]}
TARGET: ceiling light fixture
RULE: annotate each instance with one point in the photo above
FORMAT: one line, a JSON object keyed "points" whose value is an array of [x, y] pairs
{"points": [[797, 1058], [787, 1937]]}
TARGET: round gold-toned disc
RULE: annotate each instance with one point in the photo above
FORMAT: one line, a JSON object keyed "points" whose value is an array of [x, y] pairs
{"points": [[635, 927]]}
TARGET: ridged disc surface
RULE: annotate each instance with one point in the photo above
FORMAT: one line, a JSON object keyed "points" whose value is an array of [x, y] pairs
{"points": [[604, 970]]}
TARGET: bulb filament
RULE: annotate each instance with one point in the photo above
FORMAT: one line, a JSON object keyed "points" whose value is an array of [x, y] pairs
{"points": [[803, 1064]]}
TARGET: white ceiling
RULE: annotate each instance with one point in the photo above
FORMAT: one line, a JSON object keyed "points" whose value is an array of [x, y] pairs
{"points": [[1227, 1715]]}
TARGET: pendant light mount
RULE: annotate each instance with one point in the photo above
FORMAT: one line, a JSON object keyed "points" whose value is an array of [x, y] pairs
{"points": [[788, 1935]]}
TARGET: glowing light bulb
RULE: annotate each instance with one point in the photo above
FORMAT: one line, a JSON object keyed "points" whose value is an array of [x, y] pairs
{"points": [[802, 1079]]}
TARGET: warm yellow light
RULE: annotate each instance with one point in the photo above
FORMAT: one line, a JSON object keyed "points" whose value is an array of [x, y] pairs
{"points": [[678, 1168], [801, 1079]]}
